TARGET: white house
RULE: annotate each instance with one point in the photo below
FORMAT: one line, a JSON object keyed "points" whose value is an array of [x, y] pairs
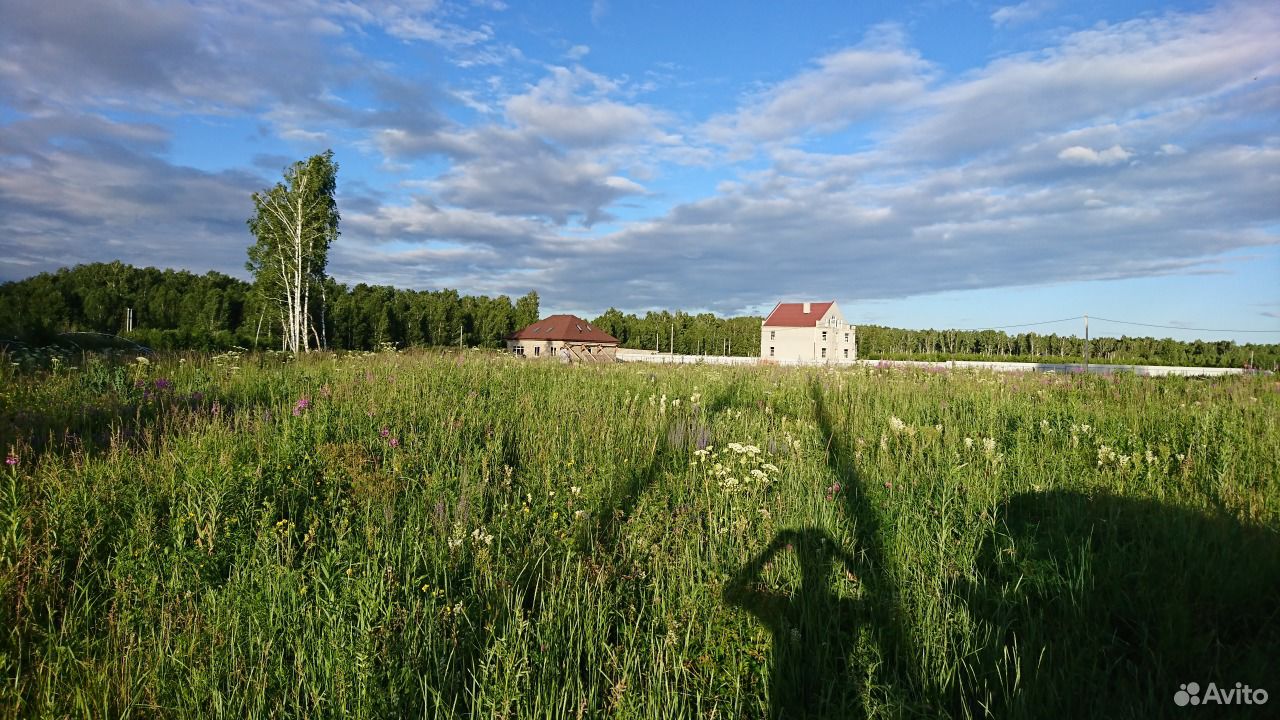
{"points": [[807, 332]]}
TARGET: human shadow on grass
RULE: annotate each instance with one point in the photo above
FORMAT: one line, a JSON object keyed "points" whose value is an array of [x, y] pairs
{"points": [[810, 626], [822, 643], [1098, 605]]}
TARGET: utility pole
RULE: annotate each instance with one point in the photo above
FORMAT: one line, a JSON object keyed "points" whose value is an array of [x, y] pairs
{"points": [[1086, 343], [672, 346], [459, 337]]}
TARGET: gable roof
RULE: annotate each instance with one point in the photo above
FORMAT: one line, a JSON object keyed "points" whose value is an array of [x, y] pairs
{"points": [[565, 328], [793, 314]]}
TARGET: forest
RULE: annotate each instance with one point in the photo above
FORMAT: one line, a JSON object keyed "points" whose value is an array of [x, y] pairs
{"points": [[179, 310]]}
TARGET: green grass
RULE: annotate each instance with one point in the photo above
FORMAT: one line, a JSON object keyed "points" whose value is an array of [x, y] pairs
{"points": [[471, 536]]}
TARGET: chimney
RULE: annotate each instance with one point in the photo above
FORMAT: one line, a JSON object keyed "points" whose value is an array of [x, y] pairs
{"points": [[806, 308]]}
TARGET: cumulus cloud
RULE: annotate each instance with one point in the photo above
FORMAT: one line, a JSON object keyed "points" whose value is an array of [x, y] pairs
{"points": [[1105, 73], [1122, 150], [108, 195], [845, 87], [1080, 155]]}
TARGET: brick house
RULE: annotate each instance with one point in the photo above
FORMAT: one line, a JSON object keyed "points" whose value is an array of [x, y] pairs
{"points": [[565, 337]]}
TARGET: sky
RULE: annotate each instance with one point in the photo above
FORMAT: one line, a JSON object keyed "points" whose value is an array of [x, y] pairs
{"points": [[936, 164]]}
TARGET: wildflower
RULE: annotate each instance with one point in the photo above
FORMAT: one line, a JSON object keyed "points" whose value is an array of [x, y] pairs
{"points": [[163, 384], [896, 424], [888, 485], [988, 445], [968, 443], [394, 442], [303, 403], [1106, 455], [575, 490], [11, 459], [384, 432]]}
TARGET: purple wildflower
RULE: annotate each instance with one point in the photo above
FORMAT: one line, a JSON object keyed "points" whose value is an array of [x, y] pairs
{"points": [[303, 403], [11, 459], [163, 384], [394, 442], [384, 432], [216, 409]]}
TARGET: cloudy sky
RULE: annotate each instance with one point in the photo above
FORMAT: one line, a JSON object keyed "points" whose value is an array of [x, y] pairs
{"points": [[958, 164]]}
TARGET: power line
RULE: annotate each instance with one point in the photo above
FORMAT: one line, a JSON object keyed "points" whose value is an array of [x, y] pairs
{"points": [[1002, 327], [1177, 327]]}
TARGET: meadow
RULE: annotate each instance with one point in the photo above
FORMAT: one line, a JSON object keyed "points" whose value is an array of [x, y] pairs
{"points": [[467, 535]]}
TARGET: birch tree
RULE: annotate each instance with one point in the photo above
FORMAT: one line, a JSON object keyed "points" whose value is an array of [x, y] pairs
{"points": [[295, 222]]}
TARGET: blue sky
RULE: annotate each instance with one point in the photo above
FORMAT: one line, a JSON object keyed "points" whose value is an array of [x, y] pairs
{"points": [[938, 164]]}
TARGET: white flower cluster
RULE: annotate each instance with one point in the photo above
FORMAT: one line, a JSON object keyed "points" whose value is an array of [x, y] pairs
{"points": [[737, 467]]}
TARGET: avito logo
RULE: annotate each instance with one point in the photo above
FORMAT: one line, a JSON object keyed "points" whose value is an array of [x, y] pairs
{"points": [[1189, 694]]}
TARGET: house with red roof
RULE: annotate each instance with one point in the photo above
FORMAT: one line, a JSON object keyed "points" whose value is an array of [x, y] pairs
{"points": [[807, 332], [568, 338]]}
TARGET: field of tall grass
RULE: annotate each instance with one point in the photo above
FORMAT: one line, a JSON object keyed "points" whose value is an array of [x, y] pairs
{"points": [[419, 535]]}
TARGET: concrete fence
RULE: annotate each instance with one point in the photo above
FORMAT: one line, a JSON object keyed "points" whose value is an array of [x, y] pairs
{"points": [[1063, 368]]}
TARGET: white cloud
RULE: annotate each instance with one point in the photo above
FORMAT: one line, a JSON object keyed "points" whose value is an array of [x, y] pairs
{"points": [[1080, 155], [846, 86], [1020, 13], [1106, 73]]}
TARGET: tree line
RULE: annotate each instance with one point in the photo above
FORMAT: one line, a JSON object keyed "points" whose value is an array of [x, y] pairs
{"points": [[896, 344], [179, 310]]}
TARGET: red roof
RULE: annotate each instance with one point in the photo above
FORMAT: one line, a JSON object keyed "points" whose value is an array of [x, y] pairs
{"points": [[569, 328], [793, 314]]}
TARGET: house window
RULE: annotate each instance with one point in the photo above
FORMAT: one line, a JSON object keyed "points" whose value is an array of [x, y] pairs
{"points": [[520, 350], [846, 337], [846, 353], [770, 351], [537, 350], [824, 336], [824, 352], [772, 335]]}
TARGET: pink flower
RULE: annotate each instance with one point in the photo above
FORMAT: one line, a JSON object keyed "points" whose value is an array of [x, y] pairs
{"points": [[384, 432], [394, 442], [11, 459], [889, 485], [303, 403]]}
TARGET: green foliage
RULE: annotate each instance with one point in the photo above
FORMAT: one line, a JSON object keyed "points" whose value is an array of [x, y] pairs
{"points": [[411, 534], [177, 310], [702, 334], [896, 344], [294, 224]]}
